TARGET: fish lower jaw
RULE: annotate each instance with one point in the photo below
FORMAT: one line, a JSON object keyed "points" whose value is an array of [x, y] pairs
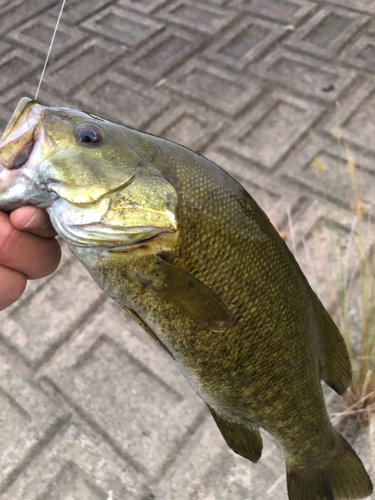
{"points": [[120, 247], [123, 239]]}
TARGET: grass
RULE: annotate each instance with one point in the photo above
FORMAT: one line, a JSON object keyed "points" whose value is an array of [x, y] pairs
{"points": [[353, 265]]}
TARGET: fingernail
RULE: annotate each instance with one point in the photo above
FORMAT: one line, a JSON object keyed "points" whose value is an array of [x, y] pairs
{"points": [[32, 218]]}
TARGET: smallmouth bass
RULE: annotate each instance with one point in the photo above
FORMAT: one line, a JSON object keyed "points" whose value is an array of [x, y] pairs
{"points": [[187, 252]]}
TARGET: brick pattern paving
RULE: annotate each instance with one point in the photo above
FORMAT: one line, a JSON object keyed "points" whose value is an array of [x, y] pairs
{"points": [[90, 408]]}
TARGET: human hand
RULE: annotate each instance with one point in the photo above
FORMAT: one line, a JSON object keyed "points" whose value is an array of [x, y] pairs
{"points": [[28, 250]]}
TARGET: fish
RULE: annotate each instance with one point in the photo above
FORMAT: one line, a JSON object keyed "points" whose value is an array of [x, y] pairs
{"points": [[189, 254]]}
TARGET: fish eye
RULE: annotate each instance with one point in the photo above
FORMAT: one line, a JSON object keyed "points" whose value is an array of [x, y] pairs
{"points": [[88, 134]]}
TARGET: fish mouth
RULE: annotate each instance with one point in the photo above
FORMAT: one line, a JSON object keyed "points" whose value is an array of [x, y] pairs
{"points": [[26, 116], [105, 236], [23, 135], [23, 146]]}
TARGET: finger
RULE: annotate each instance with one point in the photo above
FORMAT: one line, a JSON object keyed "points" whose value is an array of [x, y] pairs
{"points": [[33, 220], [27, 253], [13, 285]]}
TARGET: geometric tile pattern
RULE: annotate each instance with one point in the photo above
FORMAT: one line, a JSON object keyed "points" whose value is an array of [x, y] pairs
{"points": [[122, 98], [75, 466], [38, 33], [123, 26], [162, 54], [197, 16], [277, 117], [327, 32], [281, 94], [305, 74], [285, 11], [190, 125], [96, 363], [245, 43], [214, 87], [355, 118]]}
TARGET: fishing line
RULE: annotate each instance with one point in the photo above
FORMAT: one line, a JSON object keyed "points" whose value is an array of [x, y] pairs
{"points": [[50, 48]]}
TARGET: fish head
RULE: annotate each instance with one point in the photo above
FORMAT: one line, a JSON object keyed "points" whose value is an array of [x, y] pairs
{"points": [[96, 181]]}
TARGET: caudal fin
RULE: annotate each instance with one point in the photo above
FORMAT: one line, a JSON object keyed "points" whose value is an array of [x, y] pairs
{"points": [[339, 478]]}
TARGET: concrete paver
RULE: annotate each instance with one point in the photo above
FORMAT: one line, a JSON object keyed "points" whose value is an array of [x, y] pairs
{"points": [[90, 407]]}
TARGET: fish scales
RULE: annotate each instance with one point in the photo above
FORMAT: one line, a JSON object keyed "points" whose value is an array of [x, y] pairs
{"points": [[254, 282], [190, 255]]}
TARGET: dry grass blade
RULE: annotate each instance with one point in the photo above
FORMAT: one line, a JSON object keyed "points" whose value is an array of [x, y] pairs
{"points": [[352, 255], [362, 409]]}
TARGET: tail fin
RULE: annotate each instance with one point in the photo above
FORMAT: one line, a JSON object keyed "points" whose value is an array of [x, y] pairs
{"points": [[341, 477]]}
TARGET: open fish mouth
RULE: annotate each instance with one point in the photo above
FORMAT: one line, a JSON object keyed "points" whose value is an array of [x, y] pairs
{"points": [[22, 140], [23, 146], [27, 115]]}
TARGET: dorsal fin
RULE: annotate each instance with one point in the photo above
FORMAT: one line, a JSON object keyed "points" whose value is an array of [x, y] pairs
{"points": [[336, 368]]}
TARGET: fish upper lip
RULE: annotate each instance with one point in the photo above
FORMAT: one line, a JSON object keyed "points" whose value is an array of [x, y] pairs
{"points": [[22, 126], [29, 146], [25, 155]]}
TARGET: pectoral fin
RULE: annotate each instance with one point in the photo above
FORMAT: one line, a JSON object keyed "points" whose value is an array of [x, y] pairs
{"points": [[242, 439], [192, 297]]}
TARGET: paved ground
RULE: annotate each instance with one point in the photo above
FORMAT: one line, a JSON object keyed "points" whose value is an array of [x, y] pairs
{"points": [[90, 408]]}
